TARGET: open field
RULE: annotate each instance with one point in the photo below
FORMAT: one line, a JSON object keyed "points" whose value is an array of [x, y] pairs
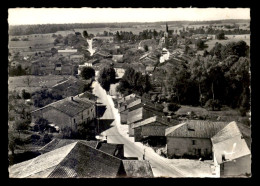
{"points": [[19, 83], [231, 38]]}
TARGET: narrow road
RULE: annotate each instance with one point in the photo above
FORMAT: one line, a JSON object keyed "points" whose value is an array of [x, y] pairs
{"points": [[160, 166]]}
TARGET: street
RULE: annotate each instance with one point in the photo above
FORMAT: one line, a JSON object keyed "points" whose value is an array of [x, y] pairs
{"points": [[160, 165]]}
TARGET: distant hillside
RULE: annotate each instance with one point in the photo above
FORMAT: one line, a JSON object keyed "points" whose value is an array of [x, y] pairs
{"points": [[52, 28]]}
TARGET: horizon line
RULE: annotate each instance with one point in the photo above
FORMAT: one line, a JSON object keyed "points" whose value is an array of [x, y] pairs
{"points": [[127, 22]]}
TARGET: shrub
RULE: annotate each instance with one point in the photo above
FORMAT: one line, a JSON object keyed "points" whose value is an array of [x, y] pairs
{"points": [[213, 104], [47, 138], [41, 124], [173, 107]]}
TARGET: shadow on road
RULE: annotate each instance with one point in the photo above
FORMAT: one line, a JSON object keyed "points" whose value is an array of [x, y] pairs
{"points": [[104, 124]]}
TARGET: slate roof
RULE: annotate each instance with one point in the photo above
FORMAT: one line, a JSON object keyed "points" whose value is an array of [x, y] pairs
{"points": [[69, 107], [195, 129], [138, 168], [229, 142], [73, 160], [151, 120]]}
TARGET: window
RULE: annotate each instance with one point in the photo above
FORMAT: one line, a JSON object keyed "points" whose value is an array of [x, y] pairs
{"points": [[193, 142], [74, 120]]}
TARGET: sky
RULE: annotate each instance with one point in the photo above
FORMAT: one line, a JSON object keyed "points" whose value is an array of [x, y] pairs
{"points": [[22, 16]]}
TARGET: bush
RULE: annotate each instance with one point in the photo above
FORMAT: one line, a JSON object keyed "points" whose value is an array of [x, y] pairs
{"points": [[220, 36], [87, 73], [41, 124], [47, 138], [213, 104], [25, 95], [173, 107]]}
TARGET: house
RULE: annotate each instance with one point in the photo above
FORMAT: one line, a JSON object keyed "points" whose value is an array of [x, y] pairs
{"points": [[230, 152], [76, 58], [140, 114], [140, 102], [106, 39], [120, 69], [124, 111], [88, 95], [68, 112], [89, 63], [67, 87], [75, 160], [67, 52], [149, 69], [118, 58], [154, 126], [123, 99], [194, 137], [139, 67]]}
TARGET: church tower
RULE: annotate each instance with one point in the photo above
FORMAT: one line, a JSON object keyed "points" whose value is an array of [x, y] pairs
{"points": [[166, 31]]}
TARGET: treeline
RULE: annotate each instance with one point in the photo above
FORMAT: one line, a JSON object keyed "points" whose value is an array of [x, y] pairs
{"points": [[52, 28], [214, 31]]}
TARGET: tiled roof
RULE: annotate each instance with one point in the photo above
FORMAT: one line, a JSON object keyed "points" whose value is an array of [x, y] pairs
{"points": [[70, 107], [138, 101], [229, 142], [109, 148], [138, 114], [138, 168], [73, 160], [43, 163], [151, 120], [195, 129], [135, 115], [57, 143]]}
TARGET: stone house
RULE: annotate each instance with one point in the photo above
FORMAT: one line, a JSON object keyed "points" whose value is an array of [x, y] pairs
{"points": [[231, 154], [194, 137], [140, 114], [76, 58], [151, 127], [68, 112]]}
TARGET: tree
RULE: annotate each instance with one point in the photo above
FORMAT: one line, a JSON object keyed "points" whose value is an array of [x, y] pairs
{"points": [[220, 36], [106, 77], [85, 34], [173, 107], [146, 48], [200, 44], [41, 124], [25, 95], [87, 73]]}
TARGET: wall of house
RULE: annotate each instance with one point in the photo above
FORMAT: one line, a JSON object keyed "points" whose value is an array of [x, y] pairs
{"points": [[187, 148], [239, 167], [123, 117], [58, 118], [130, 130]]}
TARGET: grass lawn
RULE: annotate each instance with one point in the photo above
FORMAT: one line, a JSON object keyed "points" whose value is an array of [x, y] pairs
{"points": [[36, 82]]}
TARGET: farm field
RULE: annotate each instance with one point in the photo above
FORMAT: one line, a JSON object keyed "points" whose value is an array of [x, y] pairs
{"points": [[231, 38], [19, 83]]}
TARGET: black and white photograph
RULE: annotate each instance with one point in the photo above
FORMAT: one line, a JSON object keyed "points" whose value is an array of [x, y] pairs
{"points": [[129, 93]]}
